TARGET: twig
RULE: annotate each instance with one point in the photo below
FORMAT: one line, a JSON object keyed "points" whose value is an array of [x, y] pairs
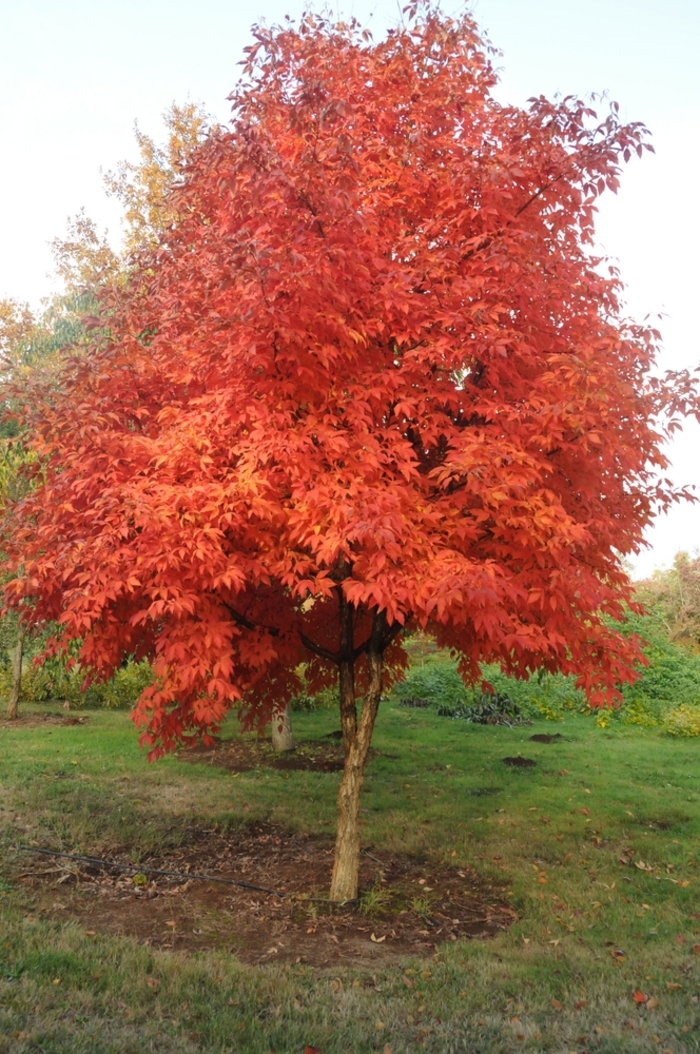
{"points": [[141, 870], [188, 877]]}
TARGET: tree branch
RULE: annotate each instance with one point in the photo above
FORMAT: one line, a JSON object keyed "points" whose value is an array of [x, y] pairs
{"points": [[323, 653], [241, 620]]}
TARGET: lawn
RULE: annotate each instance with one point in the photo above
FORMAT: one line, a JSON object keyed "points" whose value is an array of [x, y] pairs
{"points": [[594, 848]]}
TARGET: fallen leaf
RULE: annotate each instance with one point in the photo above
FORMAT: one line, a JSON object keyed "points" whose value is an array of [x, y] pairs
{"points": [[652, 1003], [639, 997], [580, 1005], [618, 955], [379, 1025], [672, 985], [377, 940], [312, 1050], [152, 982], [695, 949], [557, 1005]]}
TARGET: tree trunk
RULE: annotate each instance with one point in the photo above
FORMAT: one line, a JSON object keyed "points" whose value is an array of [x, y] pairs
{"points": [[13, 706], [282, 738], [346, 864], [346, 675]]}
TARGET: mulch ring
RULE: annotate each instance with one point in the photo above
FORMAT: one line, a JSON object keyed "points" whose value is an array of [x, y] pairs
{"points": [[247, 753], [407, 907]]}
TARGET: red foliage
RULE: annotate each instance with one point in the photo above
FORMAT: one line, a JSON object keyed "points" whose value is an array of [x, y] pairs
{"points": [[375, 352]]}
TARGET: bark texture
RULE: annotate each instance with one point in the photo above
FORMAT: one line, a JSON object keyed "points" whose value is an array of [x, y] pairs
{"points": [[282, 737], [13, 705], [346, 864], [346, 674]]}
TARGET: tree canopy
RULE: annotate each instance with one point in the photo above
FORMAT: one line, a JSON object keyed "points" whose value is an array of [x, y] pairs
{"points": [[372, 376]]}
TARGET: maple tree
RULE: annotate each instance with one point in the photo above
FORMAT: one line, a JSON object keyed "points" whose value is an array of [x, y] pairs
{"points": [[371, 377]]}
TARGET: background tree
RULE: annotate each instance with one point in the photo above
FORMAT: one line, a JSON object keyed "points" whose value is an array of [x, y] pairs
{"points": [[371, 377], [84, 258], [85, 263], [674, 594]]}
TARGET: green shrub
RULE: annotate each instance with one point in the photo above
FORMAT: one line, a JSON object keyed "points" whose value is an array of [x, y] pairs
{"points": [[436, 681], [670, 681], [488, 708], [669, 684], [52, 680], [326, 699], [684, 721]]}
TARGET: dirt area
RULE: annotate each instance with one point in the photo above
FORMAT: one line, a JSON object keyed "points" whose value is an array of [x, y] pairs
{"points": [[36, 720], [408, 906], [243, 755], [520, 763]]}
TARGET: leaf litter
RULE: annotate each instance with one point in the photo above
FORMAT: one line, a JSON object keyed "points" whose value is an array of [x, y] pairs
{"points": [[394, 916]]}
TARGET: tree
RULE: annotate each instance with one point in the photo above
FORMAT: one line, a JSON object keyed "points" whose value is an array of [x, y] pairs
{"points": [[372, 377], [85, 262], [675, 595]]}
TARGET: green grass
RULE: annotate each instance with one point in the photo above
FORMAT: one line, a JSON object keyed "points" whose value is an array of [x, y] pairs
{"points": [[556, 833]]}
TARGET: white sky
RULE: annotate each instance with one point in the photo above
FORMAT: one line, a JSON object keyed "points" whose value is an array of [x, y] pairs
{"points": [[75, 74]]}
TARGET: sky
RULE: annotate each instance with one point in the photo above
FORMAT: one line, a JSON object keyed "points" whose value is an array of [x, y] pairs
{"points": [[76, 74]]}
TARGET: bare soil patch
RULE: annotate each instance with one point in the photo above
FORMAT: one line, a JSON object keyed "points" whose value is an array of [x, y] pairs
{"points": [[408, 907], [37, 720], [246, 754], [520, 763], [542, 737]]}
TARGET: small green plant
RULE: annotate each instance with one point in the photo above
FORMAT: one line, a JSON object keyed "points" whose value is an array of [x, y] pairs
{"points": [[421, 906], [374, 901]]}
